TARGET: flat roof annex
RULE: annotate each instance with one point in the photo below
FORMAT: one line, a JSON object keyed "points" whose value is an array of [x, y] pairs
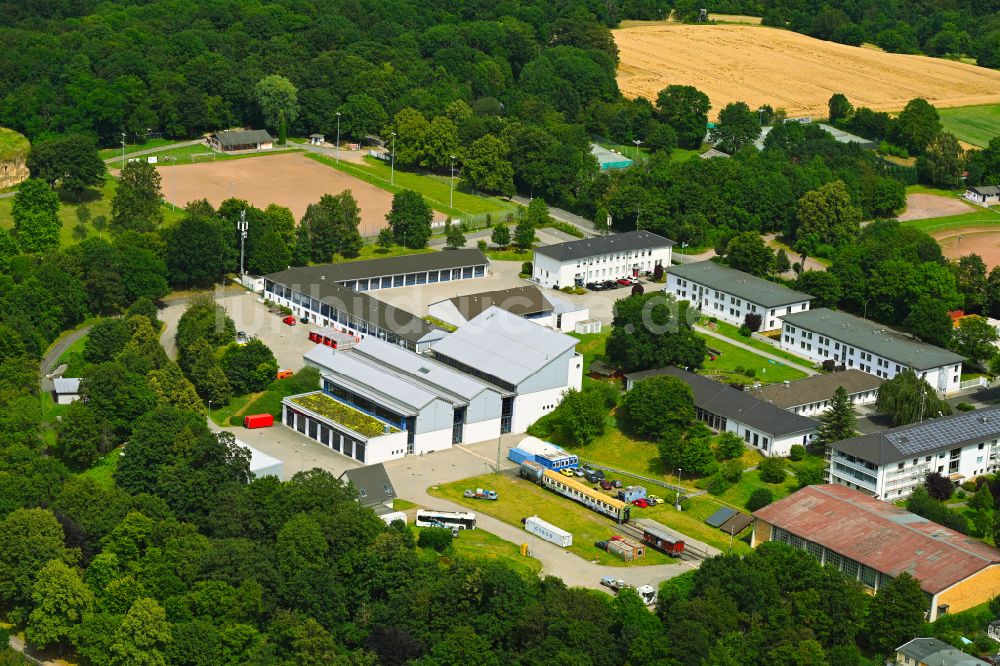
{"points": [[590, 247], [356, 270], [718, 398], [924, 438], [504, 345], [816, 388], [872, 337], [742, 285], [885, 537]]}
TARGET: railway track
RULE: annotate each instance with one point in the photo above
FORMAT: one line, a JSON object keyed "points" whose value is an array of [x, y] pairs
{"points": [[690, 554]]}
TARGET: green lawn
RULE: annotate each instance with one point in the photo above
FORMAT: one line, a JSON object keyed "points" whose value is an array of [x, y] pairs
{"points": [[478, 544], [733, 332], [108, 153], [186, 155], [692, 523], [509, 255], [372, 251], [13, 144], [924, 189], [98, 202], [520, 498], [73, 358], [732, 357], [434, 188], [972, 124], [104, 468], [237, 407], [978, 217], [751, 481]]}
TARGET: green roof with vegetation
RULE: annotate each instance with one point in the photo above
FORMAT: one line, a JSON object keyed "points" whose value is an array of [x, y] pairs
{"points": [[325, 406], [12, 144]]}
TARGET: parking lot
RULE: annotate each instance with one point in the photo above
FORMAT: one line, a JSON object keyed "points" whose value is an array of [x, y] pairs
{"points": [[288, 343]]}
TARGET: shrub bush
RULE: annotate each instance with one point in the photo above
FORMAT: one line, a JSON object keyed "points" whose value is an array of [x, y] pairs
{"points": [[435, 538], [745, 331], [527, 268], [797, 453], [759, 499], [772, 470], [718, 485], [481, 244], [964, 407], [731, 470]]}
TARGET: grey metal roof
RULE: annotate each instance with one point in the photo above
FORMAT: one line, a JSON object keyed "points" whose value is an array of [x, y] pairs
{"points": [[934, 652], [658, 530], [359, 304], [712, 152], [504, 345], [519, 300], [374, 481], [229, 138], [918, 439], [355, 270], [718, 398], [370, 381], [720, 516], [66, 385], [742, 285], [589, 247], [427, 373], [986, 190], [816, 388], [873, 337]]}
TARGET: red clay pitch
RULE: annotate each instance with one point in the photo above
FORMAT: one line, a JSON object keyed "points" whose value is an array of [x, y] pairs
{"points": [[289, 180]]}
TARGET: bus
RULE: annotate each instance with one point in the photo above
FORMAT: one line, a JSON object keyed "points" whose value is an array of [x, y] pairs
{"points": [[592, 499], [455, 520]]}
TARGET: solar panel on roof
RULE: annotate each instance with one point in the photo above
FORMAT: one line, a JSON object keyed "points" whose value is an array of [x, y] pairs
{"points": [[935, 434], [721, 516]]}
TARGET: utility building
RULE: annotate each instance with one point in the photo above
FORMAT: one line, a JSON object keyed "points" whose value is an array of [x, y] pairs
{"points": [[530, 366], [872, 541]]}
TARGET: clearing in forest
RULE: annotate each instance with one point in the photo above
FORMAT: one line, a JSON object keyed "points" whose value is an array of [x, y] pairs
{"points": [[788, 70]]}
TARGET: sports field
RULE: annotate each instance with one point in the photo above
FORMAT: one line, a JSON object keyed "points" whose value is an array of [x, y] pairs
{"points": [[977, 231], [973, 124], [286, 179], [760, 65]]}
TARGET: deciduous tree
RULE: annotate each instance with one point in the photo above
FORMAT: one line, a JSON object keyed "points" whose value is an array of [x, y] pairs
{"points": [[653, 331], [250, 367], [941, 162], [361, 115], [685, 109], [142, 637], [70, 160], [28, 539], [840, 108], [36, 224], [896, 614], [501, 236], [829, 214], [410, 219], [61, 600], [918, 123], [454, 238], [907, 399], [929, 321], [658, 403], [136, 204], [737, 127], [277, 96], [487, 167], [975, 339], [748, 253]]}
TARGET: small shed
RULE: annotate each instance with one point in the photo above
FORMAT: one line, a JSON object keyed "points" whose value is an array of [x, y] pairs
{"points": [[602, 370], [626, 549], [317, 139], [66, 389], [719, 518], [239, 140], [984, 194]]}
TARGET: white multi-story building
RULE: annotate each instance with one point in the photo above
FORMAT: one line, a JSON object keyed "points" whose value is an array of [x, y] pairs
{"points": [[730, 295], [890, 464], [871, 347], [528, 302], [531, 366], [811, 396], [598, 259]]}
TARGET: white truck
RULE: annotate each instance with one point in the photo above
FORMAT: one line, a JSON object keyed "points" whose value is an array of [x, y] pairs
{"points": [[547, 531]]}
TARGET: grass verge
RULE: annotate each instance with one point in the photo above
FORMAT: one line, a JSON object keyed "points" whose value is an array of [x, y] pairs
{"points": [[520, 498], [103, 470], [731, 357], [980, 217], [478, 544], [733, 333], [972, 124]]}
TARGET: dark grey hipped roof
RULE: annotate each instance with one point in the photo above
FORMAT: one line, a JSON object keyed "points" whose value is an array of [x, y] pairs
{"points": [[726, 401], [816, 388], [356, 270], [374, 481], [742, 285], [589, 247], [986, 190], [519, 300], [242, 137], [872, 337], [920, 439]]}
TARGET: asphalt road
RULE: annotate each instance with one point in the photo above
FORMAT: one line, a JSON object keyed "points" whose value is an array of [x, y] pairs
{"points": [[53, 354]]}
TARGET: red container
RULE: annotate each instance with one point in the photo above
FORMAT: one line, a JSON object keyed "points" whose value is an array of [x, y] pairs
{"points": [[258, 421]]}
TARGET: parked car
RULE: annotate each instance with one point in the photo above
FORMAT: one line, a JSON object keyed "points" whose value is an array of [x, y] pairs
{"points": [[617, 483], [595, 286], [304, 319], [606, 485], [610, 284], [579, 472], [566, 471], [592, 476], [641, 503], [480, 493], [284, 374], [625, 282], [241, 338], [290, 320], [654, 499]]}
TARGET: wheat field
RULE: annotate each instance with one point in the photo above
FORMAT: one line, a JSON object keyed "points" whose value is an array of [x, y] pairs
{"points": [[788, 70]]}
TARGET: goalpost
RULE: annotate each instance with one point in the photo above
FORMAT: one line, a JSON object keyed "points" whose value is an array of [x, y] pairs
{"points": [[202, 157]]}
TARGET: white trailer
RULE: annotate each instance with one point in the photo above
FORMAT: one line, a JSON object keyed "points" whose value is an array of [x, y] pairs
{"points": [[395, 515], [548, 531]]}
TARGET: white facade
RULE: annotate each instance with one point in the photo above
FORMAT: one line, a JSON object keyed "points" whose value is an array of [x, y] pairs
{"points": [[897, 479], [366, 450], [599, 259], [727, 306], [946, 378], [821, 406]]}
